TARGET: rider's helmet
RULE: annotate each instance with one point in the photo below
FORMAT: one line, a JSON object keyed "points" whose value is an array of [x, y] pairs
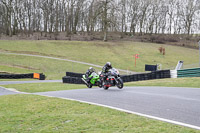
{"points": [[108, 64], [91, 69]]}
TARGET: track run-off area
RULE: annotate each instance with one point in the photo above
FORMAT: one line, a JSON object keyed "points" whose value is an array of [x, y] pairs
{"points": [[175, 105]]}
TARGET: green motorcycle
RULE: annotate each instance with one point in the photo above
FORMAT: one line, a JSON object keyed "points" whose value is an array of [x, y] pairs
{"points": [[94, 81]]}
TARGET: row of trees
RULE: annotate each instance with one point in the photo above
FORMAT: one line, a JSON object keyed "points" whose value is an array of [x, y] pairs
{"points": [[72, 16]]}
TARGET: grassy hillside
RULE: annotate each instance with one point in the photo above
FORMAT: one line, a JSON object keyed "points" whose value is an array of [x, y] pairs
{"points": [[53, 69], [120, 54]]}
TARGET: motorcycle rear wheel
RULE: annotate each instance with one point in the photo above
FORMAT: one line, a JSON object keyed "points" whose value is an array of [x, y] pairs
{"points": [[89, 85], [99, 84]]}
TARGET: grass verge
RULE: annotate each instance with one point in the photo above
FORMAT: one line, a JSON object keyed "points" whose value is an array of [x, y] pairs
{"points": [[43, 87], [31, 113], [178, 82]]}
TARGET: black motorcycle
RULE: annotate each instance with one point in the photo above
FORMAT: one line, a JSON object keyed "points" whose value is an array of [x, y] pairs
{"points": [[113, 79]]}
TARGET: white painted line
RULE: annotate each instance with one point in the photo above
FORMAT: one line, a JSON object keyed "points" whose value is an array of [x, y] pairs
{"points": [[131, 112], [14, 90]]}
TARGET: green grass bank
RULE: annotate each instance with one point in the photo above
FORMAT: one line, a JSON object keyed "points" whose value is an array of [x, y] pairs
{"points": [[31, 114]]}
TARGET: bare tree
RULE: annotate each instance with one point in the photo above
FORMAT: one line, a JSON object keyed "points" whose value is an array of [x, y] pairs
{"points": [[133, 14], [144, 5], [7, 6], [191, 8], [72, 16], [105, 7]]}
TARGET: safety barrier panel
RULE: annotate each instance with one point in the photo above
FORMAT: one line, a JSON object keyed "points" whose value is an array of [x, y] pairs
{"points": [[173, 73], [75, 78], [193, 72], [39, 76]]}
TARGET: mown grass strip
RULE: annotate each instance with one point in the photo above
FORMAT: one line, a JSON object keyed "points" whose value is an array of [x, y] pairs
{"points": [[178, 82], [31, 113], [43, 87]]}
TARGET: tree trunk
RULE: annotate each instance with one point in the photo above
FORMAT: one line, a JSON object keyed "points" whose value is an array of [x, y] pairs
{"points": [[105, 23]]}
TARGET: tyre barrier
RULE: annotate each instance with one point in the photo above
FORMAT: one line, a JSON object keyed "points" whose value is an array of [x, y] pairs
{"points": [[72, 80], [147, 76], [39, 76], [73, 74], [75, 78]]}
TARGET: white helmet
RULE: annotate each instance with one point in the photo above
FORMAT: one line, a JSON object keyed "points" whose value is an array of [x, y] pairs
{"points": [[91, 69], [108, 64]]}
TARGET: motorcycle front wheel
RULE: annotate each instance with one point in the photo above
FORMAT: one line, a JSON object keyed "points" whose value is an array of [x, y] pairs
{"points": [[120, 84], [105, 87]]}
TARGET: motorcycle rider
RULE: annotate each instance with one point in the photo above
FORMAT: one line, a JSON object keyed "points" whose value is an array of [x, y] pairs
{"points": [[88, 73], [105, 70]]}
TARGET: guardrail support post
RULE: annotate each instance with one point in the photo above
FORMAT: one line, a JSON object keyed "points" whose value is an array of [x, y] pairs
{"points": [[199, 53]]}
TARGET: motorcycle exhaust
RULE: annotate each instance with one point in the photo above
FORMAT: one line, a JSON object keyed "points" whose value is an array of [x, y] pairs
{"points": [[84, 81]]}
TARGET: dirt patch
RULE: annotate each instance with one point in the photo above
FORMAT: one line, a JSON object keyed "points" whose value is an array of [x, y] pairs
{"points": [[18, 66], [190, 41], [31, 53]]}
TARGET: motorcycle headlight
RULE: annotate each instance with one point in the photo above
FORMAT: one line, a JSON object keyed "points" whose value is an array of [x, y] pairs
{"points": [[117, 72]]}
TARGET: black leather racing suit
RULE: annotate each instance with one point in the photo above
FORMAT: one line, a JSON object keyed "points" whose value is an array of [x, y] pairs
{"points": [[105, 70], [87, 74]]}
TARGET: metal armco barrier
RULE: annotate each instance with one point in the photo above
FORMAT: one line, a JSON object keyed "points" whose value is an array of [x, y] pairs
{"points": [[193, 72], [75, 78], [39, 76]]}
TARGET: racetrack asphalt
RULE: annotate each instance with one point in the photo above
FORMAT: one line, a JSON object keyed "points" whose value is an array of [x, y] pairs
{"points": [[7, 92], [171, 103]]}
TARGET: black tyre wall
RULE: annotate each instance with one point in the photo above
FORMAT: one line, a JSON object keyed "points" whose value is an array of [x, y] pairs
{"points": [[75, 78], [20, 76]]}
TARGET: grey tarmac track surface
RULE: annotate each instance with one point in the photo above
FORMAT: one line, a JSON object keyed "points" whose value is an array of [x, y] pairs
{"points": [[171, 103], [7, 92]]}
